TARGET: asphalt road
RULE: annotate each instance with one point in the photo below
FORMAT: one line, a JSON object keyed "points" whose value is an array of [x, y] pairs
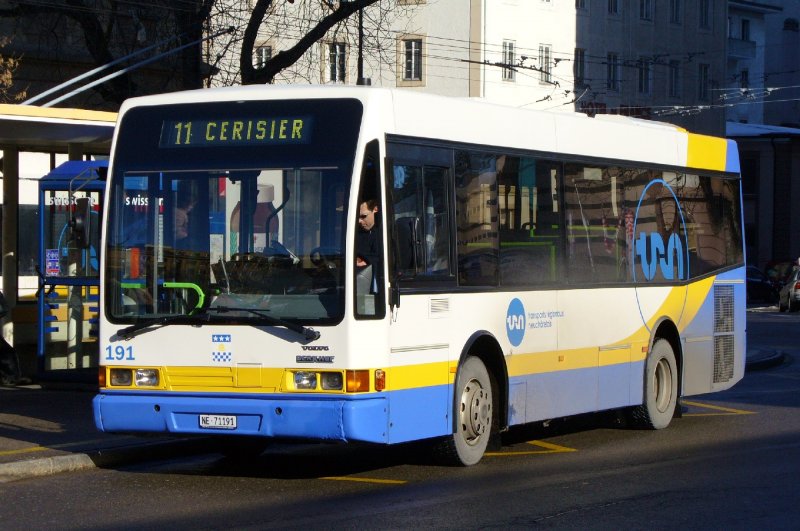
{"points": [[730, 462]]}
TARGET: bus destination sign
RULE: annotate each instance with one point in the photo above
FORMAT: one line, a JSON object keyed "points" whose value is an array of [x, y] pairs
{"points": [[225, 132]]}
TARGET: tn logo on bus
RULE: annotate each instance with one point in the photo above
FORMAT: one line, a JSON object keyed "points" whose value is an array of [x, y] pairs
{"points": [[653, 253], [515, 322]]}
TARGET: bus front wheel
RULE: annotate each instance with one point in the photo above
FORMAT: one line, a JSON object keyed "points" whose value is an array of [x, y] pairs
{"points": [[474, 415], [660, 388]]}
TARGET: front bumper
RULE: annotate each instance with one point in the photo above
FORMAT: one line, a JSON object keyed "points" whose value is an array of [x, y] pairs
{"points": [[362, 418]]}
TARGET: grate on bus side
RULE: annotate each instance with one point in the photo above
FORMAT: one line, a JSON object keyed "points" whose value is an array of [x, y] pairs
{"points": [[723, 333], [723, 309], [723, 358]]}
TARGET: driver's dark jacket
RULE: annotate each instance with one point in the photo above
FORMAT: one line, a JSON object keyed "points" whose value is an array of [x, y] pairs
{"points": [[369, 246]]}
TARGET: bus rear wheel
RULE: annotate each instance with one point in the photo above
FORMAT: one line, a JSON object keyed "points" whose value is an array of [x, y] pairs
{"points": [[660, 388], [474, 415]]}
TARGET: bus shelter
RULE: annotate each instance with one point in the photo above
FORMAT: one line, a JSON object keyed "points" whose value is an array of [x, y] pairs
{"points": [[70, 203], [79, 134]]}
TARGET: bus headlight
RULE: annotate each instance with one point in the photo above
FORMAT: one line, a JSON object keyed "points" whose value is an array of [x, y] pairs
{"points": [[121, 377], [305, 380], [332, 381], [146, 377]]}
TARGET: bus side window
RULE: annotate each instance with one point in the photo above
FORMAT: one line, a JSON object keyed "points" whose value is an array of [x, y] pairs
{"points": [[369, 278], [530, 248], [405, 203], [422, 222]]}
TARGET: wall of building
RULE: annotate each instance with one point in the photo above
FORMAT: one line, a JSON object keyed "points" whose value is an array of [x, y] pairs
{"points": [[543, 39], [782, 66], [654, 39], [464, 53]]}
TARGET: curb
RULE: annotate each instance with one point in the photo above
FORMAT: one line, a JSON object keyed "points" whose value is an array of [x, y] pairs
{"points": [[45, 466], [107, 458], [766, 361]]}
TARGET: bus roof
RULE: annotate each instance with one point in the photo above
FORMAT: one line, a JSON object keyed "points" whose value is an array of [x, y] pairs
{"points": [[473, 121]]}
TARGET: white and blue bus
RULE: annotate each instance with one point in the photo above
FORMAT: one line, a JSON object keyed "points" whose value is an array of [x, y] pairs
{"points": [[525, 266]]}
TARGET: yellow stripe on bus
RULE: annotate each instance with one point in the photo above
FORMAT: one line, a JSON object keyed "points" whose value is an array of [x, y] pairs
{"points": [[681, 305], [707, 152]]}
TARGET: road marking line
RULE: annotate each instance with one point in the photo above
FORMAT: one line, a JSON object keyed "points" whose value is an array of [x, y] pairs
{"points": [[725, 410], [28, 450], [549, 448], [31, 449], [365, 480]]}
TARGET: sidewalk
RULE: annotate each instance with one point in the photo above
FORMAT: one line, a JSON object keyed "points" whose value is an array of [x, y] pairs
{"points": [[48, 431]]}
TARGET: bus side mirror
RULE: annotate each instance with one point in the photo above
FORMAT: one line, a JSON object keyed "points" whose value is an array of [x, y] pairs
{"points": [[81, 223]]}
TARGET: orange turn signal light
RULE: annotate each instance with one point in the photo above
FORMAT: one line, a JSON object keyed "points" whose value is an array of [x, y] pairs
{"points": [[101, 377], [357, 381], [380, 379]]}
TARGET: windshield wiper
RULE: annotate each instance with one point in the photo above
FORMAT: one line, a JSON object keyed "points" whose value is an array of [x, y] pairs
{"points": [[144, 326], [305, 331]]}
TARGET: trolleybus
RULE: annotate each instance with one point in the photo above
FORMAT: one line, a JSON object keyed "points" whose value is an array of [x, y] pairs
{"points": [[365, 264]]}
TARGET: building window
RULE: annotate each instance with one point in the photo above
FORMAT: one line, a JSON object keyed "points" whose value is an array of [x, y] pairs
{"points": [[509, 60], [744, 79], [580, 4], [674, 79], [613, 7], [703, 82], [612, 71], [337, 62], [643, 67], [675, 11], [579, 67], [745, 29], [545, 63], [262, 54], [412, 64], [646, 9], [705, 14]]}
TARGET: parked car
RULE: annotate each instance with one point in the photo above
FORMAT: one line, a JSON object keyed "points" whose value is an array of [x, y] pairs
{"points": [[778, 271], [759, 287], [789, 298]]}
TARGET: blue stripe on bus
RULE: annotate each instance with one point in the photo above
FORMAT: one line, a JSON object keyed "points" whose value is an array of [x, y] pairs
{"points": [[535, 397], [420, 413], [732, 158]]}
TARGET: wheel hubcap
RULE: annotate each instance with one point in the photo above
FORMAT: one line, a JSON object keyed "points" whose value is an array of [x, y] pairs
{"points": [[663, 385], [475, 414]]}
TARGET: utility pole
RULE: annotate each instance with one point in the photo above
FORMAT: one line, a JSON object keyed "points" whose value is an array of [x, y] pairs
{"points": [[361, 80]]}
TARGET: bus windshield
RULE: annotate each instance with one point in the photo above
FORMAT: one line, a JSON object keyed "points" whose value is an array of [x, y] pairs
{"points": [[242, 232]]}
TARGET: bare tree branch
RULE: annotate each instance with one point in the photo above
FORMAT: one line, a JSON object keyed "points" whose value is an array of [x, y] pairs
{"points": [[287, 58]]}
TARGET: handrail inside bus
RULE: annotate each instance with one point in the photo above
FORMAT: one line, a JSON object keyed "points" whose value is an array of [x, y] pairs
{"points": [[201, 297]]}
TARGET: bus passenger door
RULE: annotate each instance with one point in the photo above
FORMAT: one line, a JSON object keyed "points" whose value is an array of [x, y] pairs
{"points": [[421, 265]]}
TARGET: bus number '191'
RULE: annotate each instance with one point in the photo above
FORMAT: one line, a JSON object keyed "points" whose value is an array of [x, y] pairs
{"points": [[119, 353]]}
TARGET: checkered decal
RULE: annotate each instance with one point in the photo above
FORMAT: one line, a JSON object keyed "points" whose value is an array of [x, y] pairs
{"points": [[221, 357], [221, 344]]}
